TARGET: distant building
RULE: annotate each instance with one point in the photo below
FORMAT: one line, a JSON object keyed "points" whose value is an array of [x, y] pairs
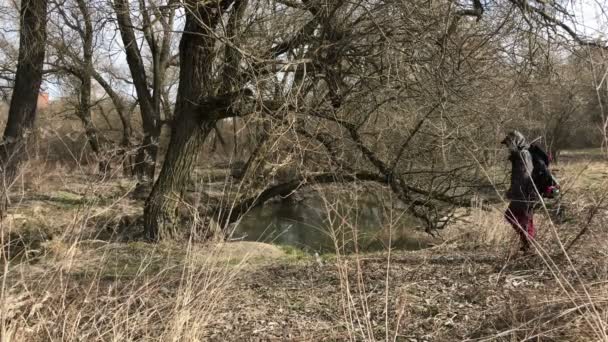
{"points": [[43, 100]]}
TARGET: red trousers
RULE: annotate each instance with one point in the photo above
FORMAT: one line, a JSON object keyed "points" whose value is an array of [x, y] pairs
{"points": [[521, 218]]}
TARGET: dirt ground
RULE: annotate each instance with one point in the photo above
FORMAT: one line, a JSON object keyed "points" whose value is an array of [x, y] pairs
{"points": [[432, 295]]}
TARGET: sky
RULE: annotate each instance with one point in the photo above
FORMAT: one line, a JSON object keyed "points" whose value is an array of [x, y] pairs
{"points": [[589, 20]]}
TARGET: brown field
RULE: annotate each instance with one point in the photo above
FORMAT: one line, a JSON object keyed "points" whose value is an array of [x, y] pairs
{"points": [[74, 269]]}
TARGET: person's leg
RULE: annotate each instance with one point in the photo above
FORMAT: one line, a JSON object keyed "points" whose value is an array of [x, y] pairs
{"points": [[516, 216], [511, 218], [524, 223], [531, 229], [527, 222]]}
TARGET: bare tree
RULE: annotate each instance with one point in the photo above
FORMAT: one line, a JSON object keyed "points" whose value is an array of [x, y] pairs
{"points": [[401, 103], [28, 78], [330, 53], [195, 114], [77, 17], [79, 30], [149, 97]]}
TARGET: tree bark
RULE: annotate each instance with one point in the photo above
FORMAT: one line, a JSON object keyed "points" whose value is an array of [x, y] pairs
{"points": [[84, 103], [84, 113], [189, 128], [148, 151], [22, 112], [231, 81], [227, 215]]}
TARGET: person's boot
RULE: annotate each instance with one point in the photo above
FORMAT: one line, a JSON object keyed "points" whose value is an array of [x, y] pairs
{"points": [[526, 250], [525, 245]]}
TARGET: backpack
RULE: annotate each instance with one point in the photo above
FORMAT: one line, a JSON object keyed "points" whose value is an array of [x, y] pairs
{"points": [[542, 177]]}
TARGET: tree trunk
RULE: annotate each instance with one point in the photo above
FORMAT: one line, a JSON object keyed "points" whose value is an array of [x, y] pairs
{"points": [[22, 112], [146, 157], [189, 128], [91, 132], [148, 151], [124, 114], [84, 110], [84, 113], [161, 209]]}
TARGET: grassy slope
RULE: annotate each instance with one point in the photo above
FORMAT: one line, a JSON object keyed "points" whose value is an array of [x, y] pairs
{"points": [[74, 279]]}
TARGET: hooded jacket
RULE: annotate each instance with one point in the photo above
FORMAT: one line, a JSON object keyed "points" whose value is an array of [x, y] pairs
{"points": [[522, 186]]}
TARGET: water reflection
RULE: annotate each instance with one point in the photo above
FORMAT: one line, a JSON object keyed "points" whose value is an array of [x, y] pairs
{"points": [[308, 226]]}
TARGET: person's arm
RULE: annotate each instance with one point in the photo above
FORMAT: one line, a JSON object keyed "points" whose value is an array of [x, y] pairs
{"points": [[509, 194], [513, 159], [527, 181]]}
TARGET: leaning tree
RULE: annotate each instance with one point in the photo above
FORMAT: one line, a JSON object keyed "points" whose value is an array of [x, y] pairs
{"points": [[334, 65], [391, 92]]}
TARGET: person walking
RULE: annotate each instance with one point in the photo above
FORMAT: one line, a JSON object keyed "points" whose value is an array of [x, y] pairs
{"points": [[522, 193]]}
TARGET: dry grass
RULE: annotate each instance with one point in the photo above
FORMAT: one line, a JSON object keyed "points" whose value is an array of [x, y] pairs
{"points": [[557, 294], [69, 272], [98, 290], [69, 300], [74, 270]]}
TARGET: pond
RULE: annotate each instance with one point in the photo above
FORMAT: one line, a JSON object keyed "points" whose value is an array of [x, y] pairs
{"points": [[312, 227]]}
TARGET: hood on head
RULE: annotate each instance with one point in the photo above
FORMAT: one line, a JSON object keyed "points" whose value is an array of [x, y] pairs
{"points": [[515, 141]]}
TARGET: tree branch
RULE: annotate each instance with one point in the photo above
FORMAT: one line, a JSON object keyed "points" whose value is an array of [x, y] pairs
{"points": [[525, 6], [229, 215]]}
